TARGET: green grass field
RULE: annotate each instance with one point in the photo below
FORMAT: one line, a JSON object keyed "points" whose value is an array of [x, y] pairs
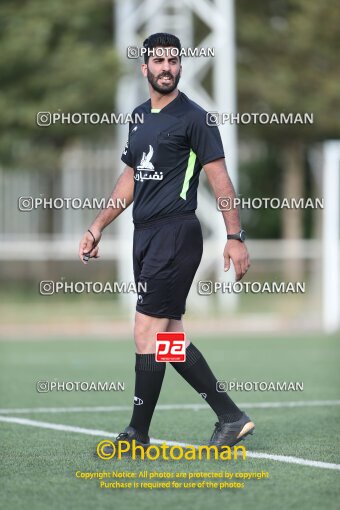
{"points": [[39, 464]]}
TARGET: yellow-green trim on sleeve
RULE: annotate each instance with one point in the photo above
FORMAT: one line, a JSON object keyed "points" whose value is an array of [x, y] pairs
{"points": [[188, 174]]}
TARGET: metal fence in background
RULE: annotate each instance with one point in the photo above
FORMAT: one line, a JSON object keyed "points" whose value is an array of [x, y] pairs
{"points": [[90, 172]]}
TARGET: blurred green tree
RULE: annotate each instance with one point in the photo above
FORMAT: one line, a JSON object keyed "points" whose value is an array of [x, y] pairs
{"points": [[55, 56], [288, 61]]}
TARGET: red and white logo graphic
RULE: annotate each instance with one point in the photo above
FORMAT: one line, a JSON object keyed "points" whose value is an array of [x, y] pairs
{"points": [[170, 347]]}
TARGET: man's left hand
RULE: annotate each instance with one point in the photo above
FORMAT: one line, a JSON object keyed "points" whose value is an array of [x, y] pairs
{"points": [[238, 253]]}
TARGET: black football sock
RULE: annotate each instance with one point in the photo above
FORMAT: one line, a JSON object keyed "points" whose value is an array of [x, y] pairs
{"points": [[195, 370], [148, 383]]}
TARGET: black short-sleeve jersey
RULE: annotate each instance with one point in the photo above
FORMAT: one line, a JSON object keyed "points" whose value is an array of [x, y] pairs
{"points": [[167, 152]]}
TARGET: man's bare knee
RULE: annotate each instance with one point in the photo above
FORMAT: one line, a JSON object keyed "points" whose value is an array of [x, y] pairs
{"points": [[176, 326], [145, 331]]}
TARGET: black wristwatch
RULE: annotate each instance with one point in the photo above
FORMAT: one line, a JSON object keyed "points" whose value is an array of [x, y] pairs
{"points": [[240, 236]]}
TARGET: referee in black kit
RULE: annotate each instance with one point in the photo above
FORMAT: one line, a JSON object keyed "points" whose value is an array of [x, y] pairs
{"points": [[163, 158]]}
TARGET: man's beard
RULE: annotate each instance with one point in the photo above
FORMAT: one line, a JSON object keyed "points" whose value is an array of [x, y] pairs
{"points": [[166, 88]]}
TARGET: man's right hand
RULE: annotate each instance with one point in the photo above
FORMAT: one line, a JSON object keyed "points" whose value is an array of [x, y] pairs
{"points": [[88, 246]]}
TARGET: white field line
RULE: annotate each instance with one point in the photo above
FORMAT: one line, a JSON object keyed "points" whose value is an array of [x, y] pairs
{"points": [[170, 407], [104, 434]]}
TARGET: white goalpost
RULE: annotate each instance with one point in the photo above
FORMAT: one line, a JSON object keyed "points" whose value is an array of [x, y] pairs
{"points": [[330, 238]]}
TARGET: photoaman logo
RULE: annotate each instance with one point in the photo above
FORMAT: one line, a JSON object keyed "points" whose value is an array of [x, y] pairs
{"points": [[170, 346], [107, 450]]}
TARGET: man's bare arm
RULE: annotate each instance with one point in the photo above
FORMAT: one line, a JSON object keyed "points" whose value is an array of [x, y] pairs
{"points": [[222, 186], [123, 191]]}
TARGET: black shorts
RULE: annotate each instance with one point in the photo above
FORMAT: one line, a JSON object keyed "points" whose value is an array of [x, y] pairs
{"points": [[166, 255]]}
